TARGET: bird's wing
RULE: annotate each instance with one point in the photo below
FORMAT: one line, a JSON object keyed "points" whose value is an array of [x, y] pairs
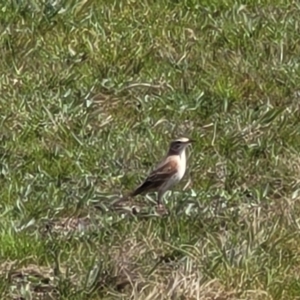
{"points": [[157, 177]]}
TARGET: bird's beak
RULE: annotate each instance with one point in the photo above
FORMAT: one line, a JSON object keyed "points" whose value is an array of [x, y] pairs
{"points": [[191, 141]]}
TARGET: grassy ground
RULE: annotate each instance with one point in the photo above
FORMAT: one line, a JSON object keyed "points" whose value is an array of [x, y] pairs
{"points": [[91, 94]]}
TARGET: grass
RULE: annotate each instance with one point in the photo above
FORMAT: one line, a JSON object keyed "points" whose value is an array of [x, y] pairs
{"points": [[91, 94]]}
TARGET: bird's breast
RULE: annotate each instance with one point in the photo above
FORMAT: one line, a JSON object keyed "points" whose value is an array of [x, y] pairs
{"points": [[181, 165]]}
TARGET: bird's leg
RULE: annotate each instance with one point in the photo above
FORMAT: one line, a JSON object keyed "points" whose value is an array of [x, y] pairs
{"points": [[161, 209], [160, 199]]}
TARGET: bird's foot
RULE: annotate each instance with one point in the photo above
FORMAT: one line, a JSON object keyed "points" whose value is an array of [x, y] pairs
{"points": [[161, 209]]}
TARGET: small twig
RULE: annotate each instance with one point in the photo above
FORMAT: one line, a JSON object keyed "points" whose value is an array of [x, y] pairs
{"points": [[147, 85]]}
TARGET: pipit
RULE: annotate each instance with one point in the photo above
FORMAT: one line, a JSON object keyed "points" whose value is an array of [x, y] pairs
{"points": [[167, 173]]}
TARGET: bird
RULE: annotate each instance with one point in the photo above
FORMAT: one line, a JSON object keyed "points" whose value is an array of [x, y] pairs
{"points": [[167, 173]]}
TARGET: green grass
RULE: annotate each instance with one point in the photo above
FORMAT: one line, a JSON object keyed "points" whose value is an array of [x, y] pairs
{"points": [[91, 94]]}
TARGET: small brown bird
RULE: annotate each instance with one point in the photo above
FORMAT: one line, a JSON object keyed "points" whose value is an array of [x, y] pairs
{"points": [[167, 173]]}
